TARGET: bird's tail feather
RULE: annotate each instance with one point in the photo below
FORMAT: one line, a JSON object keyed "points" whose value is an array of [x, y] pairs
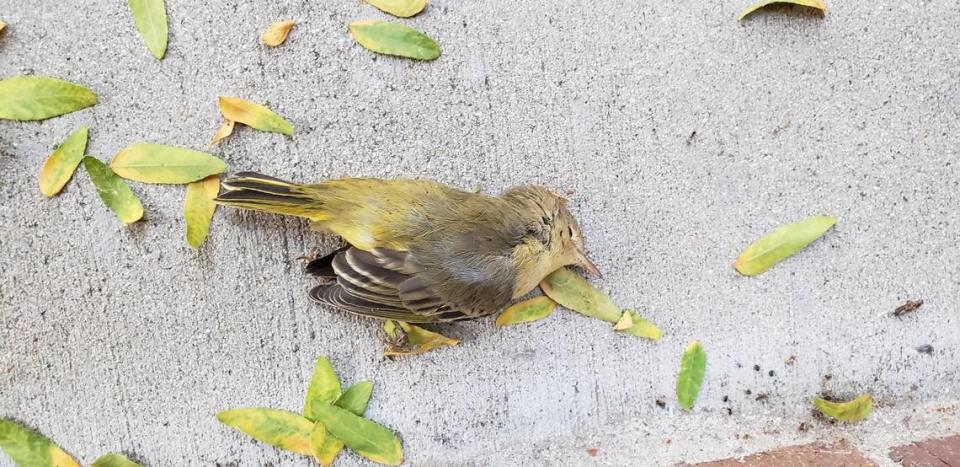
{"points": [[250, 190]]}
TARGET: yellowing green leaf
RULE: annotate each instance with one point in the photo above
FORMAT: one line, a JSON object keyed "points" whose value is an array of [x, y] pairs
{"points": [[277, 33], [781, 244], [113, 191], [225, 130], [572, 291], [527, 311], [324, 388], [850, 411], [401, 8], [632, 323], [150, 17], [355, 400], [693, 364], [413, 340], [285, 430], [818, 4], [114, 460], [156, 163], [253, 115], [394, 39], [369, 439], [59, 167], [41, 97], [29, 448], [198, 208]]}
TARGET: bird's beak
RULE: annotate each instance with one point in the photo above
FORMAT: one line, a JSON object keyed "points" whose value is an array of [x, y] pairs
{"points": [[586, 264]]}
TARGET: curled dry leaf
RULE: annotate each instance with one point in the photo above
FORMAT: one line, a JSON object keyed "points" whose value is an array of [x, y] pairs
{"points": [[693, 365], [27, 447], [150, 17], [367, 438], [324, 388], [412, 340], [394, 39], [526, 311], [780, 244], [277, 33], [279, 428], [850, 411], [41, 97], [114, 459], [572, 291], [354, 399], [225, 130], [157, 163], [113, 191], [198, 208], [400, 8], [61, 165], [633, 323], [254, 115], [818, 4]]}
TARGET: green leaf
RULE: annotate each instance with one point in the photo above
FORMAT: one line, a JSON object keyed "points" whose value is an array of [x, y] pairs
{"points": [[29, 448], [400, 8], [369, 439], [355, 400], [59, 167], [156, 163], [113, 191], [850, 411], [633, 323], [818, 4], [693, 364], [574, 292], [413, 340], [198, 208], [324, 388], [151, 19], [394, 39], [781, 244], [114, 459], [253, 115], [526, 311], [279, 428], [41, 97]]}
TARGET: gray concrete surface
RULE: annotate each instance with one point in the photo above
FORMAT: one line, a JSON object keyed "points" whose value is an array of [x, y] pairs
{"points": [[117, 338]]}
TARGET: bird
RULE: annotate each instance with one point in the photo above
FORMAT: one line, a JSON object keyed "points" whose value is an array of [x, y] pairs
{"points": [[420, 251]]}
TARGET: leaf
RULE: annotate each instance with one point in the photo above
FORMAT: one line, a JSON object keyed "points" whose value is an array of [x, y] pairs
{"points": [[394, 39], [400, 8], [113, 191], [850, 411], [355, 400], [198, 208], [2, 26], [572, 291], [254, 115], [61, 165], [41, 97], [526, 311], [415, 340], [277, 33], [27, 447], [693, 364], [324, 388], [818, 4], [114, 460], [632, 323], [151, 19], [279, 428], [367, 438], [156, 163], [225, 130], [781, 244]]}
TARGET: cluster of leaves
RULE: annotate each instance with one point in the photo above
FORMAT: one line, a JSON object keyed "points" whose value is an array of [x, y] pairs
{"points": [[331, 419], [27, 447]]}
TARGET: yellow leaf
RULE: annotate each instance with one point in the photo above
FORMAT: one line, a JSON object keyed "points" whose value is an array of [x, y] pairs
{"points": [[27, 447], [198, 208], [572, 291], [225, 130], [850, 411], [277, 33], [818, 4], [113, 191], [254, 115], [634, 324], [526, 311], [60, 166], [285, 430], [394, 39], [157, 163], [400, 8], [413, 340], [780, 244]]}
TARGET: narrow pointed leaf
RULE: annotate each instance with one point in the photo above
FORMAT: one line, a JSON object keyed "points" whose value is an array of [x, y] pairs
{"points": [[29, 448], [113, 191], [818, 4], [198, 208], [355, 400], [254, 115], [157, 163], [324, 388], [59, 167], [225, 130], [693, 364], [850, 411], [526, 311], [114, 460], [573, 292], [150, 17], [41, 97], [277, 33], [400, 8], [413, 340], [394, 39], [279, 428], [367, 438], [633, 323], [780, 244]]}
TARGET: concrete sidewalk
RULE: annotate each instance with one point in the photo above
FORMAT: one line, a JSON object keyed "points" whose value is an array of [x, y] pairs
{"points": [[683, 134]]}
